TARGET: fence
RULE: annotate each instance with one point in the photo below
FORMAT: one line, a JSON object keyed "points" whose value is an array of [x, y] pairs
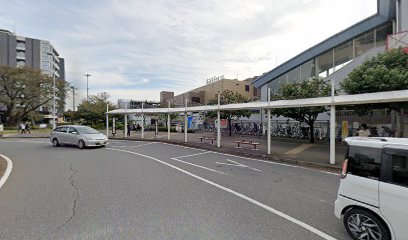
{"points": [[295, 129]]}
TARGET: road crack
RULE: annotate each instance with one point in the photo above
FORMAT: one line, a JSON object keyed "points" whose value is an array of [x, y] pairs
{"points": [[74, 204]]}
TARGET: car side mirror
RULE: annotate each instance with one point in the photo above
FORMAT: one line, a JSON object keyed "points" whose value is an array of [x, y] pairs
{"points": [[74, 132]]}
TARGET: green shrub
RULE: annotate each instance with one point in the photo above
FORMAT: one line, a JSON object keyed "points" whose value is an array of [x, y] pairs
{"points": [[119, 126], [99, 126], [164, 129]]}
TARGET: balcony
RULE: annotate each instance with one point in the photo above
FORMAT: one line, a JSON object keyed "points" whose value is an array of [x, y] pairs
{"points": [[20, 47], [20, 39], [20, 57]]}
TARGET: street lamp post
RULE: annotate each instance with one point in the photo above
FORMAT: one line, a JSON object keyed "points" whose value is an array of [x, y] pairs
{"points": [[73, 97], [87, 88]]}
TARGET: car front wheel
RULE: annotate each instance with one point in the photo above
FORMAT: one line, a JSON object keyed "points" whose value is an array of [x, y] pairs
{"points": [[81, 144], [364, 225], [55, 142]]}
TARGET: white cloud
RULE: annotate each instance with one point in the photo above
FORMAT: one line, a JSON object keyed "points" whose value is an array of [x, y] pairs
{"points": [[141, 47]]}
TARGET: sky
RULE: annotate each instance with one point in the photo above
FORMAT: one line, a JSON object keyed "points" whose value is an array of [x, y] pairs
{"points": [[136, 48]]}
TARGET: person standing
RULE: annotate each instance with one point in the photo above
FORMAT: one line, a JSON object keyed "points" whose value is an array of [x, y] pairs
{"points": [[129, 128], [364, 132]]}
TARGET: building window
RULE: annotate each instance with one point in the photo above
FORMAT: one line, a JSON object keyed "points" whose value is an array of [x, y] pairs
{"points": [[307, 70], [195, 99], [325, 64], [246, 88], [294, 75], [343, 54], [364, 42], [381, 34]]}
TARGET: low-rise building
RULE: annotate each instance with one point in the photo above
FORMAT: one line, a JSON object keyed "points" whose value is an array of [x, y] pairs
{"points": [[203, 94]]}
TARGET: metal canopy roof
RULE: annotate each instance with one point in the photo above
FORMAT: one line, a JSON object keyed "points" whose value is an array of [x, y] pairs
{"points": [[366, 98]]}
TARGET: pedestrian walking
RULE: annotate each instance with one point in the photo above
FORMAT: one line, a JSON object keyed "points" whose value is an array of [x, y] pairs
{"points": [[27, 127], [22, 128]]}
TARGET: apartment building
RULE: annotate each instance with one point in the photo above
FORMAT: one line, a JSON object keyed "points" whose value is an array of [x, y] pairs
{"points": [[19, 51]]}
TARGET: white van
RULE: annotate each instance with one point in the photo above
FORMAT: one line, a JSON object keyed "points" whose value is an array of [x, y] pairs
{"points": [[373, 192]]}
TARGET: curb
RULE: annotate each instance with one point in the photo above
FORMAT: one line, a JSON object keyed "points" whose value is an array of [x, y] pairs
{"points": [[23, 137], [275, 158], [6, 174]]}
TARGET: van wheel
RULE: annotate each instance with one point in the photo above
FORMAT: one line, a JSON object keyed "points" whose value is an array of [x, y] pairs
{"points": [[81, 144], [55, 142], [363, 225]]}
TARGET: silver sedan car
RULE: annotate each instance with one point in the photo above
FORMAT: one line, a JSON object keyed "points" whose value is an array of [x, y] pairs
{"points": [[81, 136]]}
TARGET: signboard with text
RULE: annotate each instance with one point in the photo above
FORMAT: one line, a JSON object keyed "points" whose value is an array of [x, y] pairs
{"points": [[214, 79], [344, 130]]}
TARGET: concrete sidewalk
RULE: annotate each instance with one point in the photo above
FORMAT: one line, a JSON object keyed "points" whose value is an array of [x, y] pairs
{"points": [[286, 150]]}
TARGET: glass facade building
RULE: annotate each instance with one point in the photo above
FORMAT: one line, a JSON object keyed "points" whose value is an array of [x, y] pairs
{"points": [[321, 66]]}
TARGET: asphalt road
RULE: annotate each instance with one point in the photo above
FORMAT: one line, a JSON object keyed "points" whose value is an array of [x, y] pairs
{"points": [[145, 190]]}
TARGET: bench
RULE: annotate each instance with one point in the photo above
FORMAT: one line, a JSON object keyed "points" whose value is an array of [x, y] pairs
{"points": [[247, 142], [207, 138]]}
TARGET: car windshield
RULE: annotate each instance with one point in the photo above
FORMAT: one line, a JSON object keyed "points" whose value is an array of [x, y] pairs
{"points": [[87, 130]]}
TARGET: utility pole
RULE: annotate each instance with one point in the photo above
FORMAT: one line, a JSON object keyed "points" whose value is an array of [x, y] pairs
{"points": [[73, 97], [87, 88]]}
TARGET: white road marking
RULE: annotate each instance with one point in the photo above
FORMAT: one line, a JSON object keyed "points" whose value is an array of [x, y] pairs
{"points": [[199, 166], [275, 163], [240, 195], [237, 164], [258, 160], [121, 141], [8, 170], [141, 145], [183, 146], [192, 155]]}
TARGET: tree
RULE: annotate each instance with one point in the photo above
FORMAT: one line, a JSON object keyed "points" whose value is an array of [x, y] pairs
{"points": [[228, 97], [299, 90], [385, 72], [23, 90], [93, 110]]}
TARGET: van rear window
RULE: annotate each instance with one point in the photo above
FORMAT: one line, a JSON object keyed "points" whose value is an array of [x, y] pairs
{"points": [[400, 169], [364, 161]]}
